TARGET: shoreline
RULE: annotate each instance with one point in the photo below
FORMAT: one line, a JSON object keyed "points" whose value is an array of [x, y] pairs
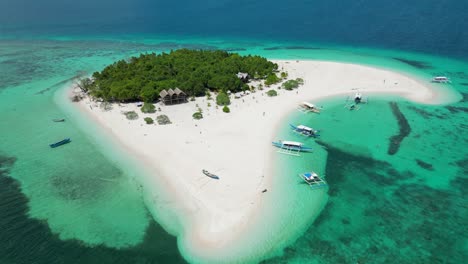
{"points": [[242, 137]]}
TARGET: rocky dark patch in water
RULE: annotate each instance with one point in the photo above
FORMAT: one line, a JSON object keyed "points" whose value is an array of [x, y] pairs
{"points": [[26, 240], [425, 114], [463, 165], [459, 74], [421, 112], [414, 63], [424, 165], [460, 184], [404, 129], [464, 96], [61, 83], [457, 109], [235, 49]]}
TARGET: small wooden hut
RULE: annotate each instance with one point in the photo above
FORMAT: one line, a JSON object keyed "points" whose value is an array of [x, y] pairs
{"points": [[181, 96], [171, 96]]}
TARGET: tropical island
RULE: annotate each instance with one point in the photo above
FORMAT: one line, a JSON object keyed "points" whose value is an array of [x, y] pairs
{"points": [[194, 72], [217, 214]]}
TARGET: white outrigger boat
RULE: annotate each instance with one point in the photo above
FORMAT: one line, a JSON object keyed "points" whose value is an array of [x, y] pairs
{"points": [[305, 130], [357, 100], [307, 107], [440, 79], [313, 180], [290, 147]]}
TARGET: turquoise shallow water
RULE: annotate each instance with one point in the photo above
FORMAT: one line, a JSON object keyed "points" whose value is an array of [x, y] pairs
{"points": [[407, 207], [63, 204]]}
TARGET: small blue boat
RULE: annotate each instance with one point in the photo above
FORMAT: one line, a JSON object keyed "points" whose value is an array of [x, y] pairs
{"points": [[291, 147], [305, 130], [60, 143]]}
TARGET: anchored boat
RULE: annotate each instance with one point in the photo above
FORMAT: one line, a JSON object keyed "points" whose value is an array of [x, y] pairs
{"points": [[60, 143], [440, 79], [59, 120], [290, 147], [357, 99], [313, 180], [305, 130]]}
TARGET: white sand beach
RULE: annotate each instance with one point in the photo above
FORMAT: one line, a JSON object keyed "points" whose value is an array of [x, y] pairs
{"points": [[236, 146]]}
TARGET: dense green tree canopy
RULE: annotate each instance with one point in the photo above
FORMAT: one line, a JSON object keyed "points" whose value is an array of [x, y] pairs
{"points": [[193, 71]]}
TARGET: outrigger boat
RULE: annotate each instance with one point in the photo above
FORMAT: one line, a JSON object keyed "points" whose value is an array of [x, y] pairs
{"points": [[307, 107], [440, 79], [357, 100], [59, 120], [211, 175], [60, 143], [290, 147], [313, 180], [305, 130]]}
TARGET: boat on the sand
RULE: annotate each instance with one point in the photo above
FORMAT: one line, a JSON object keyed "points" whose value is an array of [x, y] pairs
{"points": [[211, 175]]}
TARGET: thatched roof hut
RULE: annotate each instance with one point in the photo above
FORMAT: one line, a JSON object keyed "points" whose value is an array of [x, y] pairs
{"points": [[173, 96]]}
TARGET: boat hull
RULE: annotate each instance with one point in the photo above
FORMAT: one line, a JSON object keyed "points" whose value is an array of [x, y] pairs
{"points": [[292, 148], [297, 130], [60, 143], [211, 175]]}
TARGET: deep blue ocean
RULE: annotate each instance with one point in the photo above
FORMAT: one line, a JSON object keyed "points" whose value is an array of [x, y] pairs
{"points": [[46, 44], [430, 26]]}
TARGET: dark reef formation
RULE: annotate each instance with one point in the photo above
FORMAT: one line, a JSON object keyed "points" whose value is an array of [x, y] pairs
{"points": [[457, 109], [291, 48], [404, 126], [416, 64], [377, 214], [424, 165], [25, 240]]}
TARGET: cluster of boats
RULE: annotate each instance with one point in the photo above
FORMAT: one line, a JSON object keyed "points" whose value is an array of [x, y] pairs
{"points": [[295, 148]]}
